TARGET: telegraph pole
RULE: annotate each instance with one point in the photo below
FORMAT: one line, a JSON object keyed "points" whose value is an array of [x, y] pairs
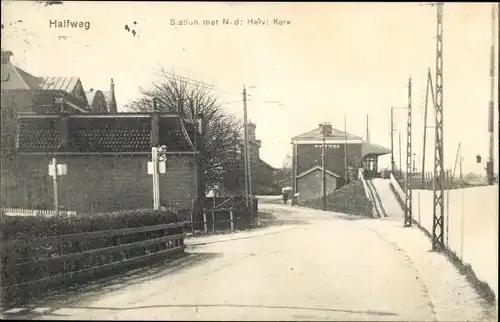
{"points": [[393, 163], [326, 130], [56, 185], [346, 168], [323, 172], [491, 116], [409, 172], [400, 162], [367, 129], [438, 198], [245, 144], [430, 89]]}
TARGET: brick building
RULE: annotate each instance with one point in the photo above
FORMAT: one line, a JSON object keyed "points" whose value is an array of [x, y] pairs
{"points": [[262, 172], [106, 159], [307, 162]]}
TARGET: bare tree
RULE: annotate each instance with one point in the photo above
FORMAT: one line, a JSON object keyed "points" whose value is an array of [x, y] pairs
{"points": [[222, 131]]}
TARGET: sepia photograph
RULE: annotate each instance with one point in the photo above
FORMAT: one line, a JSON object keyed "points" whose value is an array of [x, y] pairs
{"points": [[234, 161]]}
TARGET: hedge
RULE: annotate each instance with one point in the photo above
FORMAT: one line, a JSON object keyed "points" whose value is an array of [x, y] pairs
{"points": [[17, 228], [39, 227]]}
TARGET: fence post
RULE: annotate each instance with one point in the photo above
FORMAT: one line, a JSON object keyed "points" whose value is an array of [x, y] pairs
{"points": [[205, 222], [231, 218], [213, 221], [462, 222]]}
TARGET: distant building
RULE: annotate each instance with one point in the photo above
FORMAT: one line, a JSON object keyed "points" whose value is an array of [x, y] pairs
{"points": [[307, 161], [102, 101], [262, 172], [25, 93]]}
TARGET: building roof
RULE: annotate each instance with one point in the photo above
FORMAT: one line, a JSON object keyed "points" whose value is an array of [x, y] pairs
{"points": [[90, 96], [267, 165], [66, 84], [97, 134], [368, 148], [318, 168], [317, 135], [14, 78]]}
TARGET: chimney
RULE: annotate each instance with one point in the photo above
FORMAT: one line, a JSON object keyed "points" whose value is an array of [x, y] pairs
{"points": [[6, 56], [113, 106]]}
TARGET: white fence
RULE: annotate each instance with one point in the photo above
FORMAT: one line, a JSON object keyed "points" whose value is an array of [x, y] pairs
{"points": [[471, 226], [35, 212]]}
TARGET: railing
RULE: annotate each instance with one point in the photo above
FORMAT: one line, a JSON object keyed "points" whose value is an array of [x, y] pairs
{"points": [[361, 176], [35, 264], [231, 219], [234, 219]]}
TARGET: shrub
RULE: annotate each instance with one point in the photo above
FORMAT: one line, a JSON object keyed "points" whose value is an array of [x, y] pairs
{"points": [[39, 227], [349, 199]]}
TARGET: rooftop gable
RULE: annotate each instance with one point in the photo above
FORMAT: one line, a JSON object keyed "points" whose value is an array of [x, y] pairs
{"points": [[316, 134]]}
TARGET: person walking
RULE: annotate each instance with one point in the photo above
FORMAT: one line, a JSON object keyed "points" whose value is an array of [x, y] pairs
{"points": [[285, 197]]}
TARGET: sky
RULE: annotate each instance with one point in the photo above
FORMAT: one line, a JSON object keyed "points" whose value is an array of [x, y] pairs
{"points": [[330, 59]]}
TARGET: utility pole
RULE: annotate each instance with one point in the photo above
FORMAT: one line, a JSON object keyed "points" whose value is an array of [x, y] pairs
{"points": [[56, 185], [245, 144], [323, 172], [156, 175], [367, 129], [326, 130], [491, 116], [346, 168], [457, 155], [393, 163], [400, 160], [409, 172], [438, 197], [430, 89], [156, 181]]}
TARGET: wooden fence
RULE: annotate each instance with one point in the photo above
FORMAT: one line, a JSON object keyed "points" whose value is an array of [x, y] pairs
{"points": [[427, 181], [36, 212], [34, 265]]}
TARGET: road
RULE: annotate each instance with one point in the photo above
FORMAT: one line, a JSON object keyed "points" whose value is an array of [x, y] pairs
{"points": [[304, 265]]}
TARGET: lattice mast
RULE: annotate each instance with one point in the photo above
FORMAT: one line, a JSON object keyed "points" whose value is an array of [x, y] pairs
{"points": [[491, 116], [438, 193], [409, 170]]}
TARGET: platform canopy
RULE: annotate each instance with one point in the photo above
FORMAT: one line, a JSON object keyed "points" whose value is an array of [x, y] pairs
{"points": [[375, 150]]}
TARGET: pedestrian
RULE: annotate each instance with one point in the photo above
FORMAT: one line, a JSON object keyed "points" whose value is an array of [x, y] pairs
{"points": [[285, 197]]}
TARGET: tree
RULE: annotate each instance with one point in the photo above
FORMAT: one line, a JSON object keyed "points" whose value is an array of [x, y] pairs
{"points": [[222, 137]]}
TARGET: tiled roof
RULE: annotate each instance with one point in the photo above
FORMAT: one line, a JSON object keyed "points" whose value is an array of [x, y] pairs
{"points": [[317, 135], [39, 135], [66, 84], [101, 134], [174, 138], [109, 135]]}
